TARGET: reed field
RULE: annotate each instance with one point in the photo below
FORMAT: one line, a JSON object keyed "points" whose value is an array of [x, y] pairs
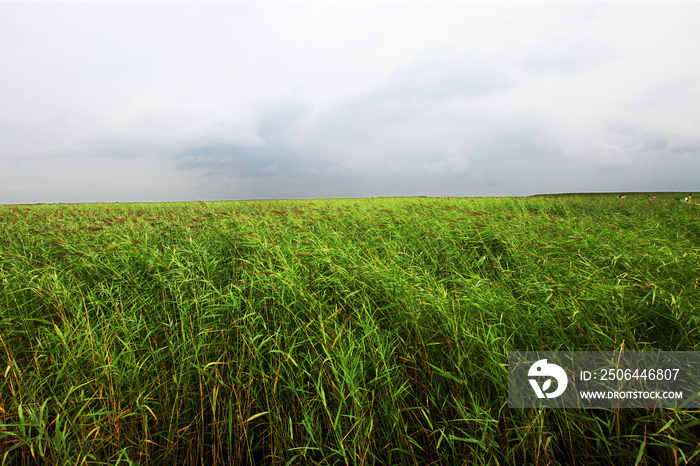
{"points": [[338, 331]]}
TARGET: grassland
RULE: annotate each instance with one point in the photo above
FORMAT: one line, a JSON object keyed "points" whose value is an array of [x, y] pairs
{"points": [[355, 331]]}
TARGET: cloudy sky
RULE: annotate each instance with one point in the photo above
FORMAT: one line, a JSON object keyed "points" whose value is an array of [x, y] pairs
{"points": [[192, 101]]}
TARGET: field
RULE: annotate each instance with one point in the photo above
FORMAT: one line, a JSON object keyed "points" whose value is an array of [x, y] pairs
{"points": [[347, 331]]}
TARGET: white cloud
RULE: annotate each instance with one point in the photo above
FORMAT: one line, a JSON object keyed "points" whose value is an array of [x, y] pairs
{"points": [[298, 100]]}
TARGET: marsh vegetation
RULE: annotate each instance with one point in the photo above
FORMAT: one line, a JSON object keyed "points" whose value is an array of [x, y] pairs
{"points": [[347, 331]]}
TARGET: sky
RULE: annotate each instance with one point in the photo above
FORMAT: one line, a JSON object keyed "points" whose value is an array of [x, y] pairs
{"points": [[140, 102]]}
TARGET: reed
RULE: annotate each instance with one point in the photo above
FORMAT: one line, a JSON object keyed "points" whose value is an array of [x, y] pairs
{"points": [[346, 331]]}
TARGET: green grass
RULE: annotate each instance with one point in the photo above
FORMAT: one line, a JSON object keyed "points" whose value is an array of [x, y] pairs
{"points": [[355, 331]]}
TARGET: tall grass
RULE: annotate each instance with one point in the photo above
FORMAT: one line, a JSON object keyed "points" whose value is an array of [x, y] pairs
{"points": [[371, 331]]}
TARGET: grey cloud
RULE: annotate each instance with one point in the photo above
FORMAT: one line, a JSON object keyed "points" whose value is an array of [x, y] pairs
{"points": [[439, 79], [410, 93], [252, 162], [518, 155], [677, 92], [389, 141], [569, 55], [647, 142], [236, 160], [281, 122], [692, 148], [520, 141], [373, 121], [621, 128], [655, 143], [280, 153]]}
